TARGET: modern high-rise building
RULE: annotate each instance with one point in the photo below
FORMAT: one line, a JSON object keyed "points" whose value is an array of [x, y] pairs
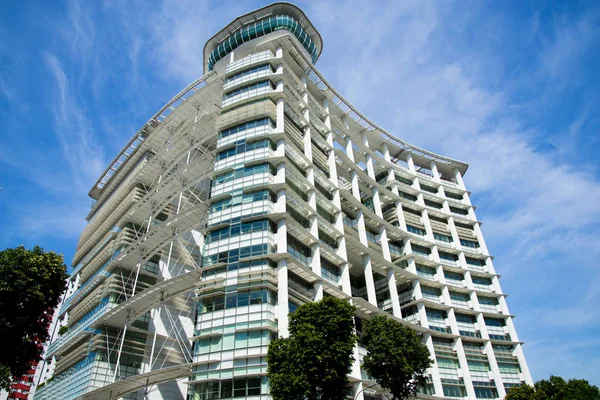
{"points": [[255, 190]]}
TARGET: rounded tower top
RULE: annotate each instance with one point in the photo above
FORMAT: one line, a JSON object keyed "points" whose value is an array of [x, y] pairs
{"points": [[276, 16]]}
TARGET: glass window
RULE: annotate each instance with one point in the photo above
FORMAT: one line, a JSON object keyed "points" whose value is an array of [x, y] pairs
{"points": [[227, 389], [254, 386], [239, 388], [442, 238], [460, 211], [242, 146], [414, 229], [260, 28], [244, 171], [245, 89], [469, 243]]}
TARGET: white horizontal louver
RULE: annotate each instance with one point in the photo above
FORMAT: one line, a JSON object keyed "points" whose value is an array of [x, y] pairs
{"points": [[465, 233], [439, 227], [413, 220]]}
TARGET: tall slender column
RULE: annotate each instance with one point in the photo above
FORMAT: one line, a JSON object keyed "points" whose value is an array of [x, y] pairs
{"points": [[435, 374], [434, 171], [282, 278], [411, 163], [464, 365], [280, 115]]}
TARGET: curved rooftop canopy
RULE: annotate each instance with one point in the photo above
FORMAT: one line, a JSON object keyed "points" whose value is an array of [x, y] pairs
{"points": [[274, 17]]}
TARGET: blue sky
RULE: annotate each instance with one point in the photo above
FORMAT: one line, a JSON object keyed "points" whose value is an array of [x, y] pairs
{"points": [[510, 87]]}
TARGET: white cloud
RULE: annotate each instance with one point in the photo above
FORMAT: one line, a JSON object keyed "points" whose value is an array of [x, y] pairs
{"points": [[74, 130]]}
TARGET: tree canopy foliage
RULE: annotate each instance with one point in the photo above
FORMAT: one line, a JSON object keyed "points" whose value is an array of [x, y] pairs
{"points": [[31, 284], [555, 388], [313, 363], [396, 358]]}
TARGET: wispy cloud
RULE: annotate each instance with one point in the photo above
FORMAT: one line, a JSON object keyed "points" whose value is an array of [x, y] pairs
{"points": [[74, 130], [565, 47]]}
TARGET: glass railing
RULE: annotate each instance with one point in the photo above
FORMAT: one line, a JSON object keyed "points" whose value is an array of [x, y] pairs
{"points": [[251, 59], [469, 333], [82, 324], [460, 303], [426, 275], [351, 223], [371, 237], [299, 256], [482, 287], [453, 282], [488, 308]]}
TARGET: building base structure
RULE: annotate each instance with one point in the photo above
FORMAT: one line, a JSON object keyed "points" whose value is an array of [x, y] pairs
{"points": [[257, 189]]}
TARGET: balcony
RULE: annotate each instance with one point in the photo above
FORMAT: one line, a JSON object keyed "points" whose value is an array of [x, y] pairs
{"points": [[264, 130], [81, 325], [483, 287], [249, 60], [248, 76], [261, 207], [461, 304], [469, 333], [489, 308], [455, 283], [350, 223], [264, 178], [246, 93]]}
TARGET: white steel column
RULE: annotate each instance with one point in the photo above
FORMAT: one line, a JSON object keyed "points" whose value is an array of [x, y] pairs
{"points": [[435, 373], [411, 163], [489, 350], [282, 278], [464, 365], [281, 239]]}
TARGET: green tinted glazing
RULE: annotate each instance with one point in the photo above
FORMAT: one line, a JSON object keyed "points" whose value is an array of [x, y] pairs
{"points": [[261, 28]]}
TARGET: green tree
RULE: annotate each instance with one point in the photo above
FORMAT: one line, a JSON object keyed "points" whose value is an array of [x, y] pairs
{"points": [[555, 388], [396, 358], [31, 284], [286, 376], [314, 362], [523, 392]]}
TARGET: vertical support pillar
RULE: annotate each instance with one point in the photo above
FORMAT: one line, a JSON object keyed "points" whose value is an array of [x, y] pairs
{"points": [[489, 350], [369, 281], [411, 163], [482, 246], [385, 150], [435, 374], [280, 115], [393, 288], [282, 275], [464, 365], [459, 180], [434, 171]]}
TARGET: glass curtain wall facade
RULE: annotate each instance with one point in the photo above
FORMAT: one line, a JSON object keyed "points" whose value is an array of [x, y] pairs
{"points": [[257, 189]]}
